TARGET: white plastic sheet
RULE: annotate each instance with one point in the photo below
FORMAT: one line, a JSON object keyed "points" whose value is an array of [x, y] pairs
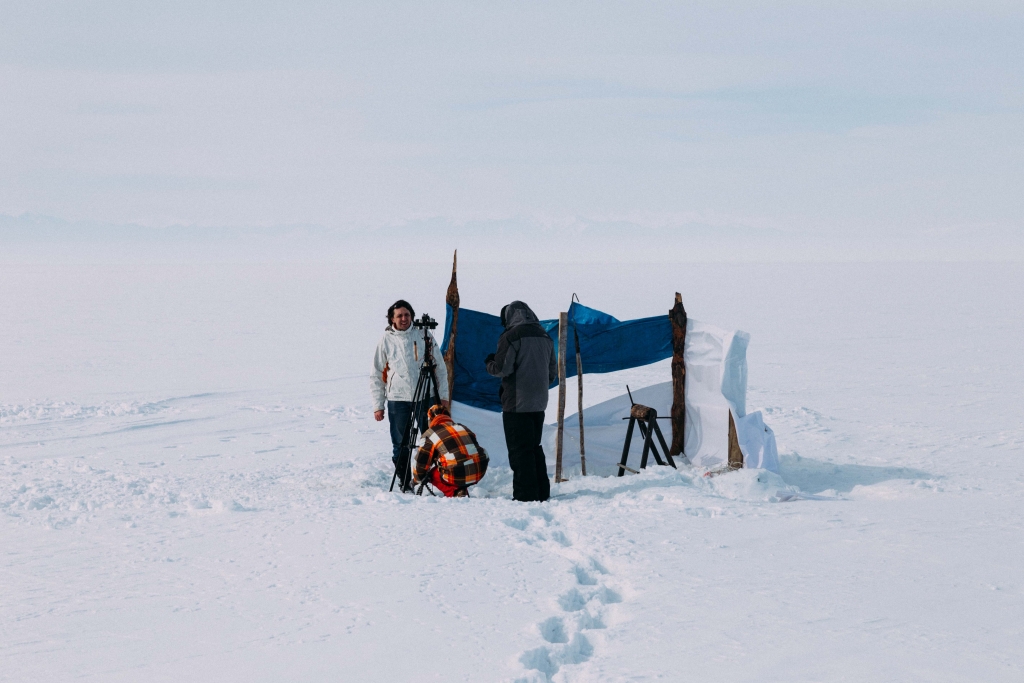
{"points": [[757, 441], [716, 383]]}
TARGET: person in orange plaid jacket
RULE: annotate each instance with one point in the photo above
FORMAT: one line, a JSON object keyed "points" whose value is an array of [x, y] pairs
{"points": [[450, 454]]}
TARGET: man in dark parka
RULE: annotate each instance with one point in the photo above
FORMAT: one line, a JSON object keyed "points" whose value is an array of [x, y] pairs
{"points": [[525, 362]]}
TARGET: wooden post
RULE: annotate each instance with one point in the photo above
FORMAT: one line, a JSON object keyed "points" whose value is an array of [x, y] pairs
{"points": [[579, 402], [563, 325], [677, 314], [452, 299], [735, 454]]}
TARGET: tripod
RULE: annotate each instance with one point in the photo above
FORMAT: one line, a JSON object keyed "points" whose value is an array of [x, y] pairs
{"points": [[425, 396]]}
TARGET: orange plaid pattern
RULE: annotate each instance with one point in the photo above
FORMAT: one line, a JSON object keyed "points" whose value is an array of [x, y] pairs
{"points": [[453, 448]]}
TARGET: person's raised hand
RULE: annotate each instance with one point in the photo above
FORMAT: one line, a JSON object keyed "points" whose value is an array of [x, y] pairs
{"points": [[378, 415]]}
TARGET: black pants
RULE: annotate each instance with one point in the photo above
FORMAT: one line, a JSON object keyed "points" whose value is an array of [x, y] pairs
{"points": [[526, 456]]}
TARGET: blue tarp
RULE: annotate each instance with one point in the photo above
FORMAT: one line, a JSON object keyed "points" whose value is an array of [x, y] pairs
{"points": [[606, 345]]}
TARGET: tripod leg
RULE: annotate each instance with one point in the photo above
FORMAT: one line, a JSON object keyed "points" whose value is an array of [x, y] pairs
{"points": [[433, 393], [661, 439], [423, 482], [645, 433], [648, 444], [656, 454], [625, 447]]}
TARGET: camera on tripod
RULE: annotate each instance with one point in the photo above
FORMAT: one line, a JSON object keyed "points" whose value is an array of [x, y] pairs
{"points": [[425, 321]]}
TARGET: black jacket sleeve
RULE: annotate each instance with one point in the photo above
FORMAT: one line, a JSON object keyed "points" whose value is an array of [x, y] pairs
{"points": [[504, 362]]}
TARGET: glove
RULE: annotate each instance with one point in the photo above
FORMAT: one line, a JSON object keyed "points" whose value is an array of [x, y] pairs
{"points": [[489, 358]]}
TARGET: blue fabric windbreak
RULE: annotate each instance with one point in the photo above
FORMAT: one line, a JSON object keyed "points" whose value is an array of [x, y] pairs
{"points": [[606, 345]]}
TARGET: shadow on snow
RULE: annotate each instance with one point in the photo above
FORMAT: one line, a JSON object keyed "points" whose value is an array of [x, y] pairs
{"points": [[817, 475]]}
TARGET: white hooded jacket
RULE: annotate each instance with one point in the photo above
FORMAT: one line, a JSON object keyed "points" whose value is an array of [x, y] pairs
{"points": [[397, 363]]}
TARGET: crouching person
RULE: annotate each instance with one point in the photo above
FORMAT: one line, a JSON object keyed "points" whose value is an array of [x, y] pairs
{"points": [[450, 458]]}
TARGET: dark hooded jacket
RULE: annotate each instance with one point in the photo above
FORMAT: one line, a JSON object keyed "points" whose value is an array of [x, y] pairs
{"points": [[525, 361]]}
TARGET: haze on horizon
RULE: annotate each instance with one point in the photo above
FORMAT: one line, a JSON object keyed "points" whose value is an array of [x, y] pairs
{"points": [[871, 121]]}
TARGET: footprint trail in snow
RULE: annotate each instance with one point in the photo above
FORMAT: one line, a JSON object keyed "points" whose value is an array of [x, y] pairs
{"points": [[568, 636]]}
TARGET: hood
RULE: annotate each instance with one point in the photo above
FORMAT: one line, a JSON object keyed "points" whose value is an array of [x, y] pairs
{"points": [[517, 313], [438, 414]]}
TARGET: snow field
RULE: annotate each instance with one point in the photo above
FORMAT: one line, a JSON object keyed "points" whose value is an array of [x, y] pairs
{"points": [[173, 510]]}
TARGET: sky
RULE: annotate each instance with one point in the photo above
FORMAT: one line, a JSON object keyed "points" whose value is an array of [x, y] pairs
{"points": [[795, 123]]}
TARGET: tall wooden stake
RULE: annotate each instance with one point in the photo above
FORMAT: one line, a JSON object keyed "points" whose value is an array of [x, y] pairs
{"points": [[579, 403], [735, 454], [563, 325], [677, 314], [452, 299]]}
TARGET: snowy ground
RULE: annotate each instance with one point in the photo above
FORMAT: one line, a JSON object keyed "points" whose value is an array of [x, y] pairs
{"points": [[192, 487]]}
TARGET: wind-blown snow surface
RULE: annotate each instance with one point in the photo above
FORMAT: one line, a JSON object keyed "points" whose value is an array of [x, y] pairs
{"points": [[192, 487]]}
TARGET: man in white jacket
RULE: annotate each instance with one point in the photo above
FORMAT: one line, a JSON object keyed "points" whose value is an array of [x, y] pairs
{"points": [[396, 369]]}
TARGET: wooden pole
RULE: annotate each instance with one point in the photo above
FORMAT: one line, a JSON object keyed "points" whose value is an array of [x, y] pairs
{"points": [[677, 314], [452, 299], [563, 325], [579, 402], [735, 454]]}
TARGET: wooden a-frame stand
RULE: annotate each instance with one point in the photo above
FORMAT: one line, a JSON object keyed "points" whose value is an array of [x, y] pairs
{"points": [[647, 419]]}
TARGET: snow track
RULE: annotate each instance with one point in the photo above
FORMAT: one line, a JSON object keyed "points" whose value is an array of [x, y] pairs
{"points": [[583, 608]]}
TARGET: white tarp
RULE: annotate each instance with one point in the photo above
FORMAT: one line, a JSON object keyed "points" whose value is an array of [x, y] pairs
{"points": [[757, 441], [716, 383]]}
